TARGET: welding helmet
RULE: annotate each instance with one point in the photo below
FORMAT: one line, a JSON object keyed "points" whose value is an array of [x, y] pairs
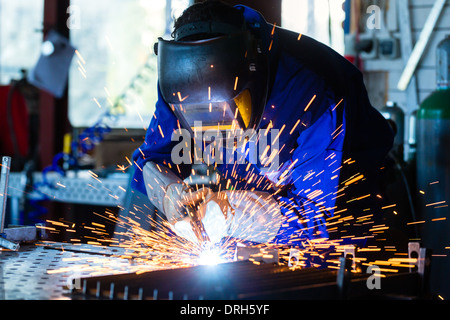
{"points": [[221, 81]]}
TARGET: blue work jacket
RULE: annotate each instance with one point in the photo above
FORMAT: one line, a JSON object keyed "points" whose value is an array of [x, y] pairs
{"points": [[330, 134]]}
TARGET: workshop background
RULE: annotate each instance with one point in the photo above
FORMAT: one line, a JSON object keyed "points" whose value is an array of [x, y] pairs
{"points": [[75, 103]]}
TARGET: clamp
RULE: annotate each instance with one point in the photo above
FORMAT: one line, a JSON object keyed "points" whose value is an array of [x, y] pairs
{"points": [[4, 243]]}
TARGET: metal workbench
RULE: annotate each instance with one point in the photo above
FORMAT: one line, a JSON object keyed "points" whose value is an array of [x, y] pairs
{"points": [[45, 271], [57, 271]]}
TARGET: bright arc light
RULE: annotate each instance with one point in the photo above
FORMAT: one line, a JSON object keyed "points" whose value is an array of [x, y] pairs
{"points": [[210, 257]]}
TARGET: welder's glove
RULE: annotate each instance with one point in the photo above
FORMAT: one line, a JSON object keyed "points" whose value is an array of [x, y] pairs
{"points": [[252, 216], [178, 197], [170, 196]]}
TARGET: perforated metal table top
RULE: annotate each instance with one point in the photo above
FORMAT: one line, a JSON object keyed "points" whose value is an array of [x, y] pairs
{"points": [[38, 272], [80, 187]]}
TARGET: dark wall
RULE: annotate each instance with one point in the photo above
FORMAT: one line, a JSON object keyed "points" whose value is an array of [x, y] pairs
{"points": [[271, 10]]}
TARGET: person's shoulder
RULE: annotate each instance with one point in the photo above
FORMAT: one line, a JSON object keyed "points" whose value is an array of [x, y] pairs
{"points": [[311, 50], [318, 57]]}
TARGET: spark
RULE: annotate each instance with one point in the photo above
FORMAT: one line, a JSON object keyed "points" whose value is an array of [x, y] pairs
{"points": [[337, 105], [121, 168], [160, 131], [94, 176], [137, 166], [80, 57], [91, 186], [354, 180], [338, 128], [82, 73], [98, 224], [295, 126], [80, 67], [180, 98], [435, 203], [416, 222], [279, 133], [310, 102]]}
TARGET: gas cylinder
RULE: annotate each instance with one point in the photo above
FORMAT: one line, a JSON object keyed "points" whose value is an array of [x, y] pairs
{"points": [[433, 172]]}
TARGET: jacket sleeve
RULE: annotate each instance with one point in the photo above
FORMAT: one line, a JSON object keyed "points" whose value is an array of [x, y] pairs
{"points": [[315, 177], [157, 146]]}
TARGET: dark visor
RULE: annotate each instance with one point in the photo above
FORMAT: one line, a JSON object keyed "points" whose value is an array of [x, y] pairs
{"points": [[206, 80]]}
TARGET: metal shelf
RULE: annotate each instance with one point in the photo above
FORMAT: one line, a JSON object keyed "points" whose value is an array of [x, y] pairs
{"points": [[80, 188]]}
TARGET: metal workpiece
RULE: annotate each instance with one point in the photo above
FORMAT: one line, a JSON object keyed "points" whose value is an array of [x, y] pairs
{"points": [[24, 234], [228, 281], [263, 255], [4, 243], [252, 279], [245, 280], [295, 258], [55, 271]]}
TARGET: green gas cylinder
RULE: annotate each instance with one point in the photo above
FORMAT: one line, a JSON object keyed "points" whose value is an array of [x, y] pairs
{"points": [[433, 173]]}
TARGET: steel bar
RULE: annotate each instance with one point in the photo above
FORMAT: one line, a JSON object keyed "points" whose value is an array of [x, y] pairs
{"points": [[244, 280], [9, 244], [6, 165]]}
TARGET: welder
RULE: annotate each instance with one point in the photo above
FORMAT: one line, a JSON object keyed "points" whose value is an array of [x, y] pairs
{"points": [[228, 69]]}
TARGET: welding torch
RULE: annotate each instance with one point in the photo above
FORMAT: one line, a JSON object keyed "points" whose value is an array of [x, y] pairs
{"points": [[176, 200], [197, 226]]}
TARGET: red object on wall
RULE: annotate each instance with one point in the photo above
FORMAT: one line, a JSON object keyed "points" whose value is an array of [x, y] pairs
{"points": [[14, 123]]}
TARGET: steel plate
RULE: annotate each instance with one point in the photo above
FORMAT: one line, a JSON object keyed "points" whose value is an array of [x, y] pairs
{"points": [[37, 272]]}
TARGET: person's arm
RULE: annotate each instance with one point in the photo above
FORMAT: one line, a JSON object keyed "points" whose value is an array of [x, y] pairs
{"points": [[314, 178], [159, 178], [157, 146]]}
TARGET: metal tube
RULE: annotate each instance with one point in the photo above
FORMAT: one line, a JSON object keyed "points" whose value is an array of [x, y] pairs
{"points": [[6, 165], [421, 44]]}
